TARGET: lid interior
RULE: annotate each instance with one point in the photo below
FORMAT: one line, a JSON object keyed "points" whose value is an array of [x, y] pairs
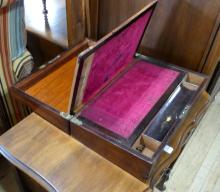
{"points": [[98, 65]]}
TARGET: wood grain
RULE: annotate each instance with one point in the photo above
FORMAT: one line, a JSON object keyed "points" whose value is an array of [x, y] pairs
{"points": [[92, 17], [62, 163], [76, 25], [55, 88], [43, 109], [213, 56]]}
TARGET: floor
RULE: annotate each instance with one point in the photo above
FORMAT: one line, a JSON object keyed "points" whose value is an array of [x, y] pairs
{"points": [[7, 178], [197, 169]]}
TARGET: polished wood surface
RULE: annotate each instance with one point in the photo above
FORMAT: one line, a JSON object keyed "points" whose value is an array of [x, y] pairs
{"points": [[76, 21], [213, 57], [43, 109], [55, 88], [60, 163], [53, 26], [180, 31], [92, 18]]}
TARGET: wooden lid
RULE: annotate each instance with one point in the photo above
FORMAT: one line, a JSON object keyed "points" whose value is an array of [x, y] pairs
{"points": [[99, 64]]}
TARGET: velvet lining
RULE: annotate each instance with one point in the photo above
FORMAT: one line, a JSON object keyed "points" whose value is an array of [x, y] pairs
{"points": [[123, 106], [114, 55]]}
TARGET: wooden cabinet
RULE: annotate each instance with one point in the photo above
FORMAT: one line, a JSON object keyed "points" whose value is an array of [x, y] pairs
{"points": [[62, 24]]}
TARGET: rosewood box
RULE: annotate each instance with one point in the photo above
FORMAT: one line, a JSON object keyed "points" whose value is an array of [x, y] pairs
{"points": [[123, 105]]}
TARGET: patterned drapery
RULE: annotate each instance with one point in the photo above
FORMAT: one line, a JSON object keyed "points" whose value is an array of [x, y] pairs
{"points": [[15, 61]]}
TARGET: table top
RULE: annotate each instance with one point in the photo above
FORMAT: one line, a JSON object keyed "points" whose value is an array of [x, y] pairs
{"points": [[60, 163]]}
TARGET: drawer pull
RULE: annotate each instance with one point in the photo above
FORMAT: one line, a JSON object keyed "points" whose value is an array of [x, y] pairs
{"points": [[168, 149]]}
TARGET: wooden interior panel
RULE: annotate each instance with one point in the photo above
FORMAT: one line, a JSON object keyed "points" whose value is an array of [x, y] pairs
{"points": [[180, 31], [75, 11], [55, 88], [150, 143], [113, 12], [195, 79]]}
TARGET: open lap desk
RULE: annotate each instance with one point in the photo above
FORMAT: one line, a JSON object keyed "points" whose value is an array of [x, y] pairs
{"points": [[60, 163], [125, 106]]}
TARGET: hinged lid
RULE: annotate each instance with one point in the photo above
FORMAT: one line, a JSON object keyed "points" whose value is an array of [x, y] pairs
{"points": [[99, 64]]}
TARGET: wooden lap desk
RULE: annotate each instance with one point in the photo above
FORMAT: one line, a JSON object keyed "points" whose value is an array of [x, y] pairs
{"points": [[143, 134], [58, 162]]}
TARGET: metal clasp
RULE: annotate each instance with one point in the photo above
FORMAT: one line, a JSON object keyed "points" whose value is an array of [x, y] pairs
{"points": [[168, 149]]}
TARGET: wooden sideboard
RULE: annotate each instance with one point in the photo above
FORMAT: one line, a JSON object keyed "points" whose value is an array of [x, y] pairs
{"points": [[61, 22]]}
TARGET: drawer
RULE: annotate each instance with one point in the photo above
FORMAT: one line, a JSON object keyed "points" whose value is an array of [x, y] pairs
{"points": [[42, 90]]}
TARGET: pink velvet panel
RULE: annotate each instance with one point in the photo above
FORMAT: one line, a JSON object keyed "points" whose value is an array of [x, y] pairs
{"points": [[114, 55], [124, 105]]}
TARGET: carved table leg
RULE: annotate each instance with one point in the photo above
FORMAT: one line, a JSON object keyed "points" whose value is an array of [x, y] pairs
{"points": [[165, 177]]}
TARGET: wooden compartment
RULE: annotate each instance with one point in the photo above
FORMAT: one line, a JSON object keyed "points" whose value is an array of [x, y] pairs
{"points": [[170, 115], [70, 89], [48, 91], [139, 154]]}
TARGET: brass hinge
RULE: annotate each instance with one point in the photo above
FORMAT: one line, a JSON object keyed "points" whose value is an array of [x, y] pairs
{"points": [[71, 118], [66, 116], [76, 121]]}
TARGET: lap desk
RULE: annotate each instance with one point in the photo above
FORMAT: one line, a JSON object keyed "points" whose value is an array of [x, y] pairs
{"points": [[123, 105]]}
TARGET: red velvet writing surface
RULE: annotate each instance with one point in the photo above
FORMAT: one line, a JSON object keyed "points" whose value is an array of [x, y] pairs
{"points": [[114, 55], [124, 105]]}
